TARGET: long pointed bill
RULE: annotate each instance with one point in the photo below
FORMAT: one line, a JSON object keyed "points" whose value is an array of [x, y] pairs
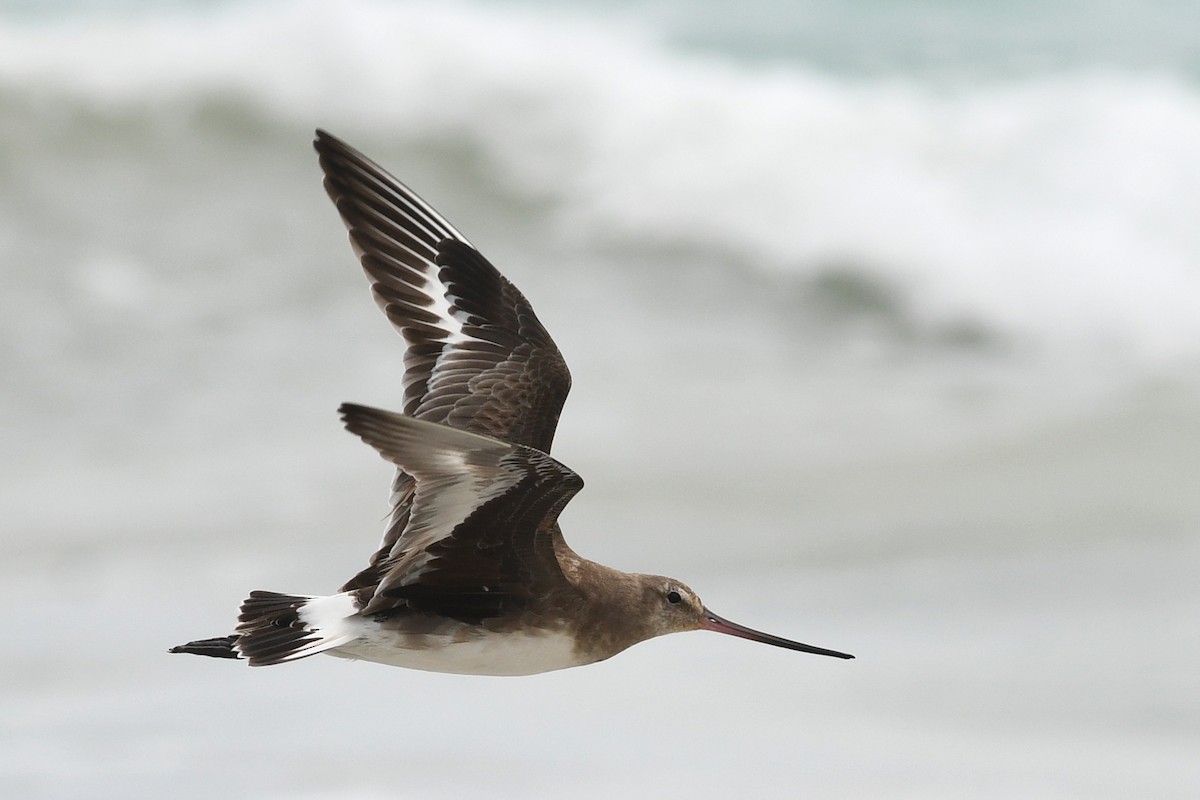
{"points": [[721, 625]]}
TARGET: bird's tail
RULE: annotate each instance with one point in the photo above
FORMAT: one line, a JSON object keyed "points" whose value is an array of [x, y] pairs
{"points": [[217, 647], [274, 628]]}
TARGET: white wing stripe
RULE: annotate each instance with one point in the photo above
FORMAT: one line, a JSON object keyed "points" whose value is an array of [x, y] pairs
{"points": [[445, 312], [455, 472]]}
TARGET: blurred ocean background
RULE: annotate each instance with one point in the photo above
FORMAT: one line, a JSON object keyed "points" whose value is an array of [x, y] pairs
{"points": [[884, 319]]}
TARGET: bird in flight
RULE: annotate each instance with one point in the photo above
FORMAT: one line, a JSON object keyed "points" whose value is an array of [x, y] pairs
{"points": [[473, 575]]}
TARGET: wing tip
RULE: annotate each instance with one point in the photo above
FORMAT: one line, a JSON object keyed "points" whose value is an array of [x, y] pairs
{"points": [[360, 419], [323, 141]]}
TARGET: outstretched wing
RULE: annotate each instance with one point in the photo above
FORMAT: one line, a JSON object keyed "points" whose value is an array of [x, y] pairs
{"points": [[480, 536], [477, 357]]}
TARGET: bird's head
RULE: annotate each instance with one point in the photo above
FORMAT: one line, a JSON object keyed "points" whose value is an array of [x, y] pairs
{"points": [[670, 606]]}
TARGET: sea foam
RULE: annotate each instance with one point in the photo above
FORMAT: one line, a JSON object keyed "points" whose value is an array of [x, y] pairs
{"points": [[1057, 209]]}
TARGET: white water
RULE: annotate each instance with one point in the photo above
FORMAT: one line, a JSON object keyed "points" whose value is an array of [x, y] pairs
{"points": [[1056, 208]]}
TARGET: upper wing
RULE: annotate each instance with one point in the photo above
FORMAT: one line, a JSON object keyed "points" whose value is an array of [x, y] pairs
{"points": [[478, 359], [480, 535]]}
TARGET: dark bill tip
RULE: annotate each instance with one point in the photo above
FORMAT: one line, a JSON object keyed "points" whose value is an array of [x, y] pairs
{"points": [[721, 625]]}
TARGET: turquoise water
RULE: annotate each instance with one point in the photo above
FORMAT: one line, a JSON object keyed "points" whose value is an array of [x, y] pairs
{"points": [[938, 40], [925, 38], [882, 319]]}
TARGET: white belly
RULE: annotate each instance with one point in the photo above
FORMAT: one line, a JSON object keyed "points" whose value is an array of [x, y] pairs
{"points": [[480, 652]]}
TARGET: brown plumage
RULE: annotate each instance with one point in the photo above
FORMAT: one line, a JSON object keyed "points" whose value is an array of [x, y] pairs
{"points": [[473, 574]]}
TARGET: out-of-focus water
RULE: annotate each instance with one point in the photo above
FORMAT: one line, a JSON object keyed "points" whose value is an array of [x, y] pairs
{"points": [[884, 321]]}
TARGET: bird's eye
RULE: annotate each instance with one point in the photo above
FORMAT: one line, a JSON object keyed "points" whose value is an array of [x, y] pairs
{"points": [[673, 597]]}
